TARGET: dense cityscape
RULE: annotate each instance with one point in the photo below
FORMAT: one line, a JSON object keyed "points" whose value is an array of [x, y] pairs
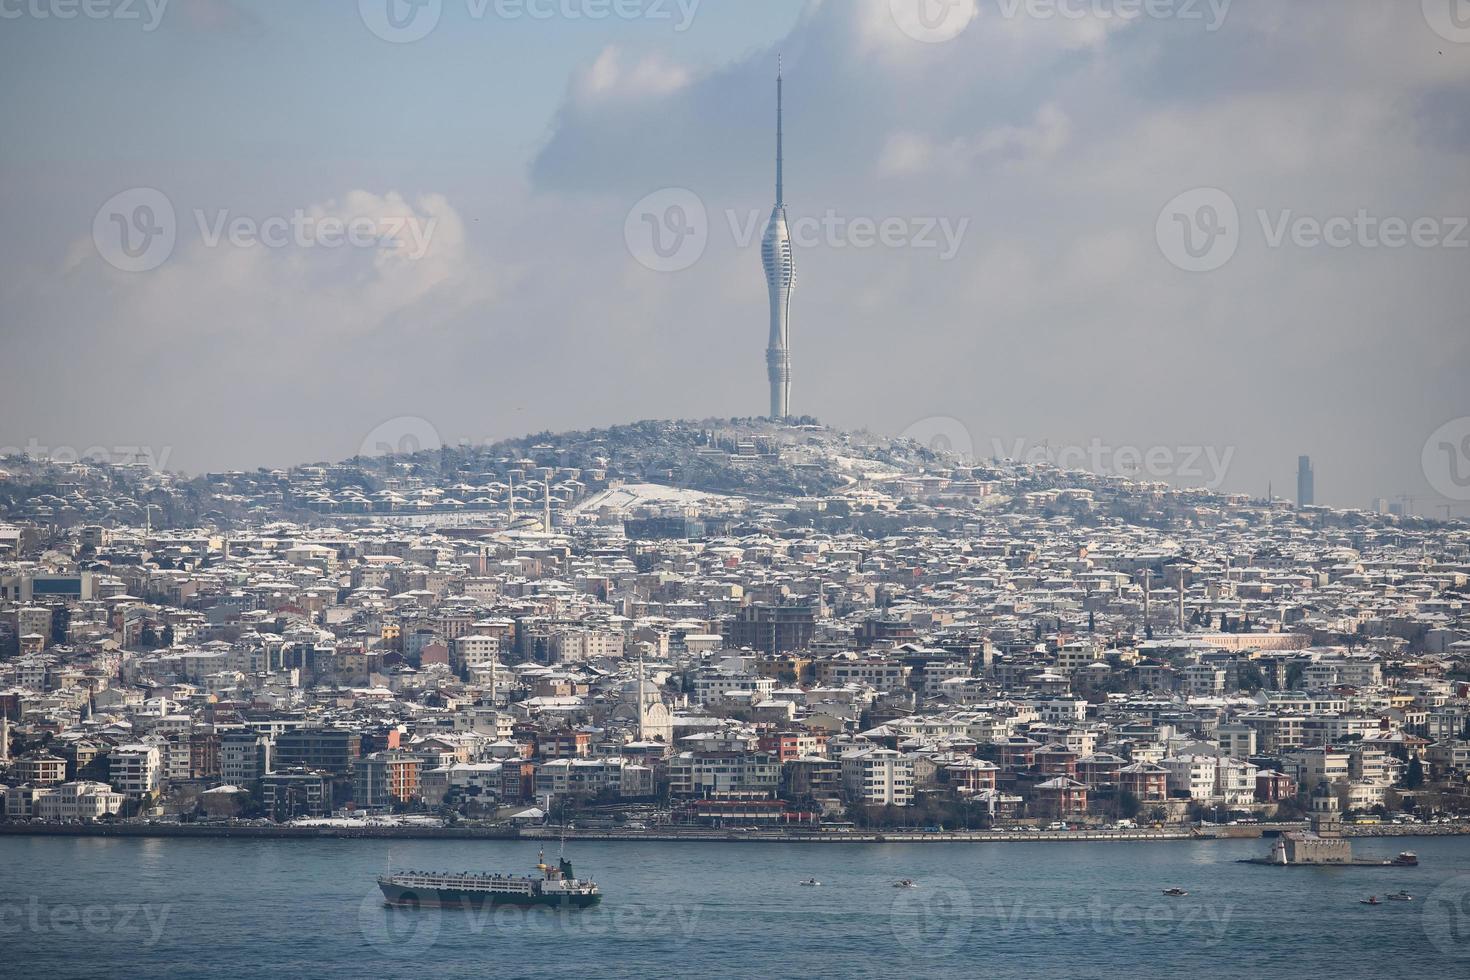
{"points": [[1070, 579], [670, 627]]}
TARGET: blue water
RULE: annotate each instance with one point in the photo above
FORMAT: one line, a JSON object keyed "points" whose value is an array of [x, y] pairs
{"points": [[75, 907]]}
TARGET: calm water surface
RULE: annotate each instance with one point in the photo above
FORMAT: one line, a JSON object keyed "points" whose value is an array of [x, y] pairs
{"points": [[90, 907]]}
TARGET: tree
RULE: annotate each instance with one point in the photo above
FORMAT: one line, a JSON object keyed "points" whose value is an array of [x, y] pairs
{"points": [[1128, 805], [1414, 778], [1294, 672], [1248, 676]]}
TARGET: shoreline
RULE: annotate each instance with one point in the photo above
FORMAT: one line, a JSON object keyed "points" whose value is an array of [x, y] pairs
{"points": [[702, 835]]}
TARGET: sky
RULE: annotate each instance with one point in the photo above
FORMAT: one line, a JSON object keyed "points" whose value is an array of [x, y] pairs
{"points": [[1177, 239]]}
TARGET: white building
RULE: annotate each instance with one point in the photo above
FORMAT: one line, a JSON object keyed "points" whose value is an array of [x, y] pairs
{"points": [[714, 685], [878, 777], [135, 770], [1192, 774], [1235, 782], [477, 650], [244, 757], [81, 800]]}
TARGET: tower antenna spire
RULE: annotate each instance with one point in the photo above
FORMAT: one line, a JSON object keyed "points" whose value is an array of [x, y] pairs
{"points": [[780, 189]]}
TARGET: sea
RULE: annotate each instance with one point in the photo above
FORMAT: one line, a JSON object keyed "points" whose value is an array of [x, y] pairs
{"points": [[181, 907]]}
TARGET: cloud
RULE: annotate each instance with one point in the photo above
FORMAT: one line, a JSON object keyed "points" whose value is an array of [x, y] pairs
{"points": [[1062, 139], [313, 276], [1018, 146], [610, 77], [1058, 139]]}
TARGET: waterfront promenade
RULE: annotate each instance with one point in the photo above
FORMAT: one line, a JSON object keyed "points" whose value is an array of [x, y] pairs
{"points": [[347, 830]]}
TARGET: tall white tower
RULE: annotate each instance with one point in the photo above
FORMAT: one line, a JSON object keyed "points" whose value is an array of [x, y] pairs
{"points": [[780, 281]]}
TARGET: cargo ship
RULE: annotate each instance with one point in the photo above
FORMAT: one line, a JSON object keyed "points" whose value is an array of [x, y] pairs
{"points": [[556, 887]]}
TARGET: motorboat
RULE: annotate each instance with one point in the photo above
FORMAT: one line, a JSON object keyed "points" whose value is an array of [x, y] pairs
{"points": [[1400, 897], [811, 883], [1370, 900], [1175, 892], [905, 883], [1406, 859]]}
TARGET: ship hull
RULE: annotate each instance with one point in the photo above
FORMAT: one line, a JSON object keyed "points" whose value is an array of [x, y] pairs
{"points": [[400, 896]]}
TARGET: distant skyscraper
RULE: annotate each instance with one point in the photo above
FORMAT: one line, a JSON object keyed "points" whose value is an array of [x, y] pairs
{"points": [[780, 281], [1305, 482]]}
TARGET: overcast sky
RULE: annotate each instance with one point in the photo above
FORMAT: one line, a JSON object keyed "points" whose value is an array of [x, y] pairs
{"points": [[1024, 226]]}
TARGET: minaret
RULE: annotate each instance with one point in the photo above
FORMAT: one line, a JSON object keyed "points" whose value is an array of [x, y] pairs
{"points": [[546, 507], [642, 701], [780, 281], [4, 738]]}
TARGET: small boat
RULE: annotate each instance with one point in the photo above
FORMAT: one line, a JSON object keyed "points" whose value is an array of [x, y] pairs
{"points": [[1175, 892], [1401, 897], [1370, 900], [905, 883], [811, 883], [1406, 859]]}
